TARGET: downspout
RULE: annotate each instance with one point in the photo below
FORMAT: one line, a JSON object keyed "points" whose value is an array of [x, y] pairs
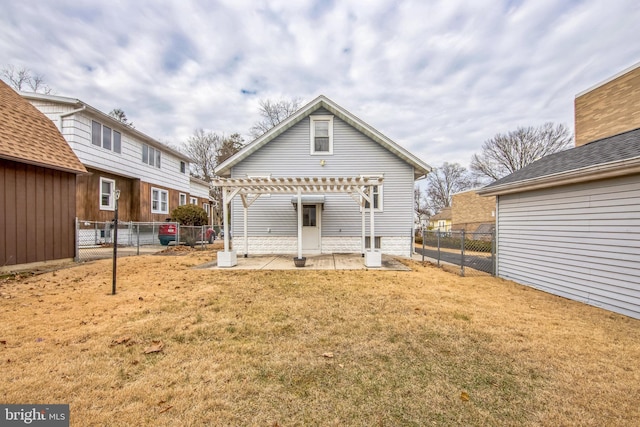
{"points": [[70, 113]]}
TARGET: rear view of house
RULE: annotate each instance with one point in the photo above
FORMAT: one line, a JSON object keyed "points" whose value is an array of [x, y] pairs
{"points": [[322, 181], [38, 173]]}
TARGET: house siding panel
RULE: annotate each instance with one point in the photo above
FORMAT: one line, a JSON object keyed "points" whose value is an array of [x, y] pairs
{"points": [[580, 241], [354, 154], [38, 206]]}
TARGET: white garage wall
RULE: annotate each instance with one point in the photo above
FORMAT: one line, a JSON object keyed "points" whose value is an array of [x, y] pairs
{"points": [[579, 241]]}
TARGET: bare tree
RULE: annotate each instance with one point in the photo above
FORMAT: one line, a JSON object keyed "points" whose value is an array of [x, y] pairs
{"points": [[119, 114], [443, 182], [203, 147], [23, 79], [506, 153], [421, 205], [272, 113], [207, 150]]}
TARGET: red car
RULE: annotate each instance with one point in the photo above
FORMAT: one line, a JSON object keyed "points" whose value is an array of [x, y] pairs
{"points": [[167, 233]]}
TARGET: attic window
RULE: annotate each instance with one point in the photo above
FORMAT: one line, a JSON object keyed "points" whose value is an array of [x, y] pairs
{"points": [[321, 134]]}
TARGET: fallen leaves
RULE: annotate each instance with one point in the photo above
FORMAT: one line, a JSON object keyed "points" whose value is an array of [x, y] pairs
{"points": [[464, 396], [328, 355], [155, 347]]}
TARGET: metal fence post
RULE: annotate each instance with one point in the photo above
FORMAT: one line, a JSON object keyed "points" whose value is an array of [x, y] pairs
{"points": [[77, 249], [137, 239], [424, 236], [462, 253], [493, 253], [438, 238]]}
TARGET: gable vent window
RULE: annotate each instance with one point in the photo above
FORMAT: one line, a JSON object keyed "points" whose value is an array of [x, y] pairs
{"points": [[321, 134], [105, 137]]}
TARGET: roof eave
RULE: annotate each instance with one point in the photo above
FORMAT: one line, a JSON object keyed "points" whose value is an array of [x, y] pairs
{"points": [[421, 168], [107, 118], [75, 171], [591, 173]]}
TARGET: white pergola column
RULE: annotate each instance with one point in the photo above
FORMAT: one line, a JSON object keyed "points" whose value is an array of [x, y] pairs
{"points": [[299, 223], [227, 258], [372, 258]]}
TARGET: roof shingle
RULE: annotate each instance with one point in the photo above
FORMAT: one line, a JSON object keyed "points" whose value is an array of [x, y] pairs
{"points": [[28, 136], [614, 148]]}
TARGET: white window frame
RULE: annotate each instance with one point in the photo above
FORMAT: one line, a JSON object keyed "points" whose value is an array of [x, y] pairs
{"points": [[112, 200], [312, 143], [182, 199], [193, 201], [154, 155], [205, 206], [183, 166], [101, 137], [159, 201]]}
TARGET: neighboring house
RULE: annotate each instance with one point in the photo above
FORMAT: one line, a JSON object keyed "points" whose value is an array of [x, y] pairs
{"points": [[473, 213], [569, 223], [152, 177], [37, 186], [332, 164], [441, 221]]}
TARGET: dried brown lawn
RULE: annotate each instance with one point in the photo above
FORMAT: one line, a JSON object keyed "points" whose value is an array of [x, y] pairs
{"points": [[184, 346]]}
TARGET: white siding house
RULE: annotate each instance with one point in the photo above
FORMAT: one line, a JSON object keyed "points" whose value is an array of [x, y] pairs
{"points": [[150, 175], [323, 141], [569, 224]]}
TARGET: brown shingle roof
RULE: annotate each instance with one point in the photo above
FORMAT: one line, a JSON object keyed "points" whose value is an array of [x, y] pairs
{"points": [[28, 136], [445, 213]]}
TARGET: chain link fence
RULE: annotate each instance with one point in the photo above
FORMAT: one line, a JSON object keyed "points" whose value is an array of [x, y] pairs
{"points": [[472, 253], [94, 239]]}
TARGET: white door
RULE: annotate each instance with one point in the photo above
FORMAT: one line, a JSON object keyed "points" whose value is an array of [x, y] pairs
{"points": [[311, 228]]}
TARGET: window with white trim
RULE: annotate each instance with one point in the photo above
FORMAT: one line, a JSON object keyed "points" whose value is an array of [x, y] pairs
{"points": [[105, 137], [193, 200], [107, 188], [182, 199], [183, 167], [159, 201], [205, 206], [321, 135], [151, 156]]}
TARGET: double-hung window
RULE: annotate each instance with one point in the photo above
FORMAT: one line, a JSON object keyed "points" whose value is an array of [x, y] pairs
{"points": [[159, 201], [151, 156], [105, 137], [376, 191], [321, 135], [107, 188], [193, 200], [183, 199]]}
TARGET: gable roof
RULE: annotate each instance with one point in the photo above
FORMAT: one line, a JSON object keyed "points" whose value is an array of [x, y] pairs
{"points": [[106, 119], [421, 168], [28, 136], [445, 214], [609, 157]]}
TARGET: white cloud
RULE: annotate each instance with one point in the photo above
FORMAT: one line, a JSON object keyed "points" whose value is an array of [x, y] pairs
{"points": [[439, 78]]}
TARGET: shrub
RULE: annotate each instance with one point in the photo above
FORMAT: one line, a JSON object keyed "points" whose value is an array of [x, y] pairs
{"points": [[189, 215]]}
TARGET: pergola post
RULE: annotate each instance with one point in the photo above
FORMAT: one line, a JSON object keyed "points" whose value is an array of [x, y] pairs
{"points": [[299, 223], [372, 257], [226, 258]]}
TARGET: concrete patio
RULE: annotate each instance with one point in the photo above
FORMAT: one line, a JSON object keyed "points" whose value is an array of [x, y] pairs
{"points": [[314, 262]]}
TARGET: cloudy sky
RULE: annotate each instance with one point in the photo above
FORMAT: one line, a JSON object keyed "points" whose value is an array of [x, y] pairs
{"points": [[437, 77]]}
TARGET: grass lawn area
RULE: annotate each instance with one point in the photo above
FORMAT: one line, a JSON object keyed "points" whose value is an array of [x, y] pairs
{"points": [[179, 346]]}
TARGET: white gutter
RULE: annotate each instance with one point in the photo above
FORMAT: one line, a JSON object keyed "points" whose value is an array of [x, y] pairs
{"points": [[70, 113]]}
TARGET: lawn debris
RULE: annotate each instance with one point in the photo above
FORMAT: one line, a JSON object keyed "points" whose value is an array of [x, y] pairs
{"points": [[156, 347], [328, 355], [123, 340], [165, 409], [464, 396]]}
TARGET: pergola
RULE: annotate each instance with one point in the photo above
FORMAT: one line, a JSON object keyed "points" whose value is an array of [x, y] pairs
{"points": [[250, 189]]}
